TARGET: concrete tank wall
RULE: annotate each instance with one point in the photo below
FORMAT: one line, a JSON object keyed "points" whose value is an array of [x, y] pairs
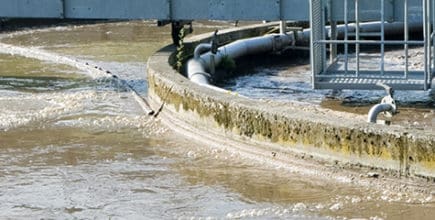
{"points": [[277, 128]]}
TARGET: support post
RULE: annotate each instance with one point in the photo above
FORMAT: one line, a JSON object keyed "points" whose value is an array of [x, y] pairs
{"points": [[283, 27]]}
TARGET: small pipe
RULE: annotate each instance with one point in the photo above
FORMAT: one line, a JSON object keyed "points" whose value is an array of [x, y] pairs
{"points": [[357, 37], [333, 54], [375, 110], [382, 37], [406, 37], [346, 38]]}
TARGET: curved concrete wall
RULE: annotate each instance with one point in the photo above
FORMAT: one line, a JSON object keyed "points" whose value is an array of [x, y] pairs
{"points": [[276, 129]]}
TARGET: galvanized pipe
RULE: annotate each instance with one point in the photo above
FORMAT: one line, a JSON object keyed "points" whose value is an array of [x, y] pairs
{"points": [[375, 110], [427, 39], [375, 27], [406, 37], [346, 37], [357, 37], [382, 37], [366, 29]]}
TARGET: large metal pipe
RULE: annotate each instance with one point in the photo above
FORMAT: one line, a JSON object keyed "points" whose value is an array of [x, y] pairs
{"points": [[196, 71], [394, 28], [198, 67]]}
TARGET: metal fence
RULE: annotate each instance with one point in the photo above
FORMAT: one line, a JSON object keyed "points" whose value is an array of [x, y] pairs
{"points": [[366, 24]]}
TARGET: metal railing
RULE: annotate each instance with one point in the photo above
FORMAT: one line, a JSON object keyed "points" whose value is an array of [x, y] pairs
{"points": [[345, 70]]}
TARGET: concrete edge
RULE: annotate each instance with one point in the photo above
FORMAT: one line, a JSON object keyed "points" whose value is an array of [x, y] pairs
{"points": [[329, 136]]}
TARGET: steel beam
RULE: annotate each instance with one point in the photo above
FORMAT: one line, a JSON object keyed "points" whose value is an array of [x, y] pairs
{"points": [[157, 9], [117, 9], [31, 8], [197, 9]]}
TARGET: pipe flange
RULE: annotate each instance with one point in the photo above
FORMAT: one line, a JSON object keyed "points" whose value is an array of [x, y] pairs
{"points": [[277, 43]]}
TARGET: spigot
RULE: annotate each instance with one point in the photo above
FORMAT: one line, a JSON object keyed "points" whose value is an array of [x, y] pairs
{"points": [[387, 106], [388, 99]]}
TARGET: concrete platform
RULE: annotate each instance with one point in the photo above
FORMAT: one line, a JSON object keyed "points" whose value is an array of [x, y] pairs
{"points": [[280, 130]]}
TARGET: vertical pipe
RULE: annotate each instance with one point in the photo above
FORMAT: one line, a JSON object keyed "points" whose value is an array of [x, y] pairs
{"points": [[282, 27], [63, 9], [429, 41], [170, 10], [212, 65], [431, 76], [346, 46], [382, 37], [426, 32], [333, 47], [406, 37], [283, 23], [333, 24], [357, 38], [312, 42], [323, 34]]}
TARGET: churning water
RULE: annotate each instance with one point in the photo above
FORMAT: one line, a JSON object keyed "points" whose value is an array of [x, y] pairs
{"points": [[76, 144]]}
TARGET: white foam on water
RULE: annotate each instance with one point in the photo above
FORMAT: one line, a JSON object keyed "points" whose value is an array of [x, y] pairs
{"points": [[93, 110], [145, 125], [55, 110], [291, 212], [39, 54], [31, 108]]}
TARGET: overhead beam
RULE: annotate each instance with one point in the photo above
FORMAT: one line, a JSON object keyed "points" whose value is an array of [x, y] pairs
{"points": [[157, 9], [117, 9], [31, 8], [191, 9]]}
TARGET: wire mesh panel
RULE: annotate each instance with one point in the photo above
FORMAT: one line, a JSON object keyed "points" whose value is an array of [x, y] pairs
{"points": [[373, 44]]}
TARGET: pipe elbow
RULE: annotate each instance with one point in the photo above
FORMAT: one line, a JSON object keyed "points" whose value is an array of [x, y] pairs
{"points": [[375, 110], [201, 48], [196, 72]]}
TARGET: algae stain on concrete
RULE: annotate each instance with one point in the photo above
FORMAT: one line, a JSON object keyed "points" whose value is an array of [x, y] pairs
{"points": [[292, 131], [288, 132]]}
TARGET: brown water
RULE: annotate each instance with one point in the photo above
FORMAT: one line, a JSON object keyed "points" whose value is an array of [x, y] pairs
{"points": [[75, 145]]}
